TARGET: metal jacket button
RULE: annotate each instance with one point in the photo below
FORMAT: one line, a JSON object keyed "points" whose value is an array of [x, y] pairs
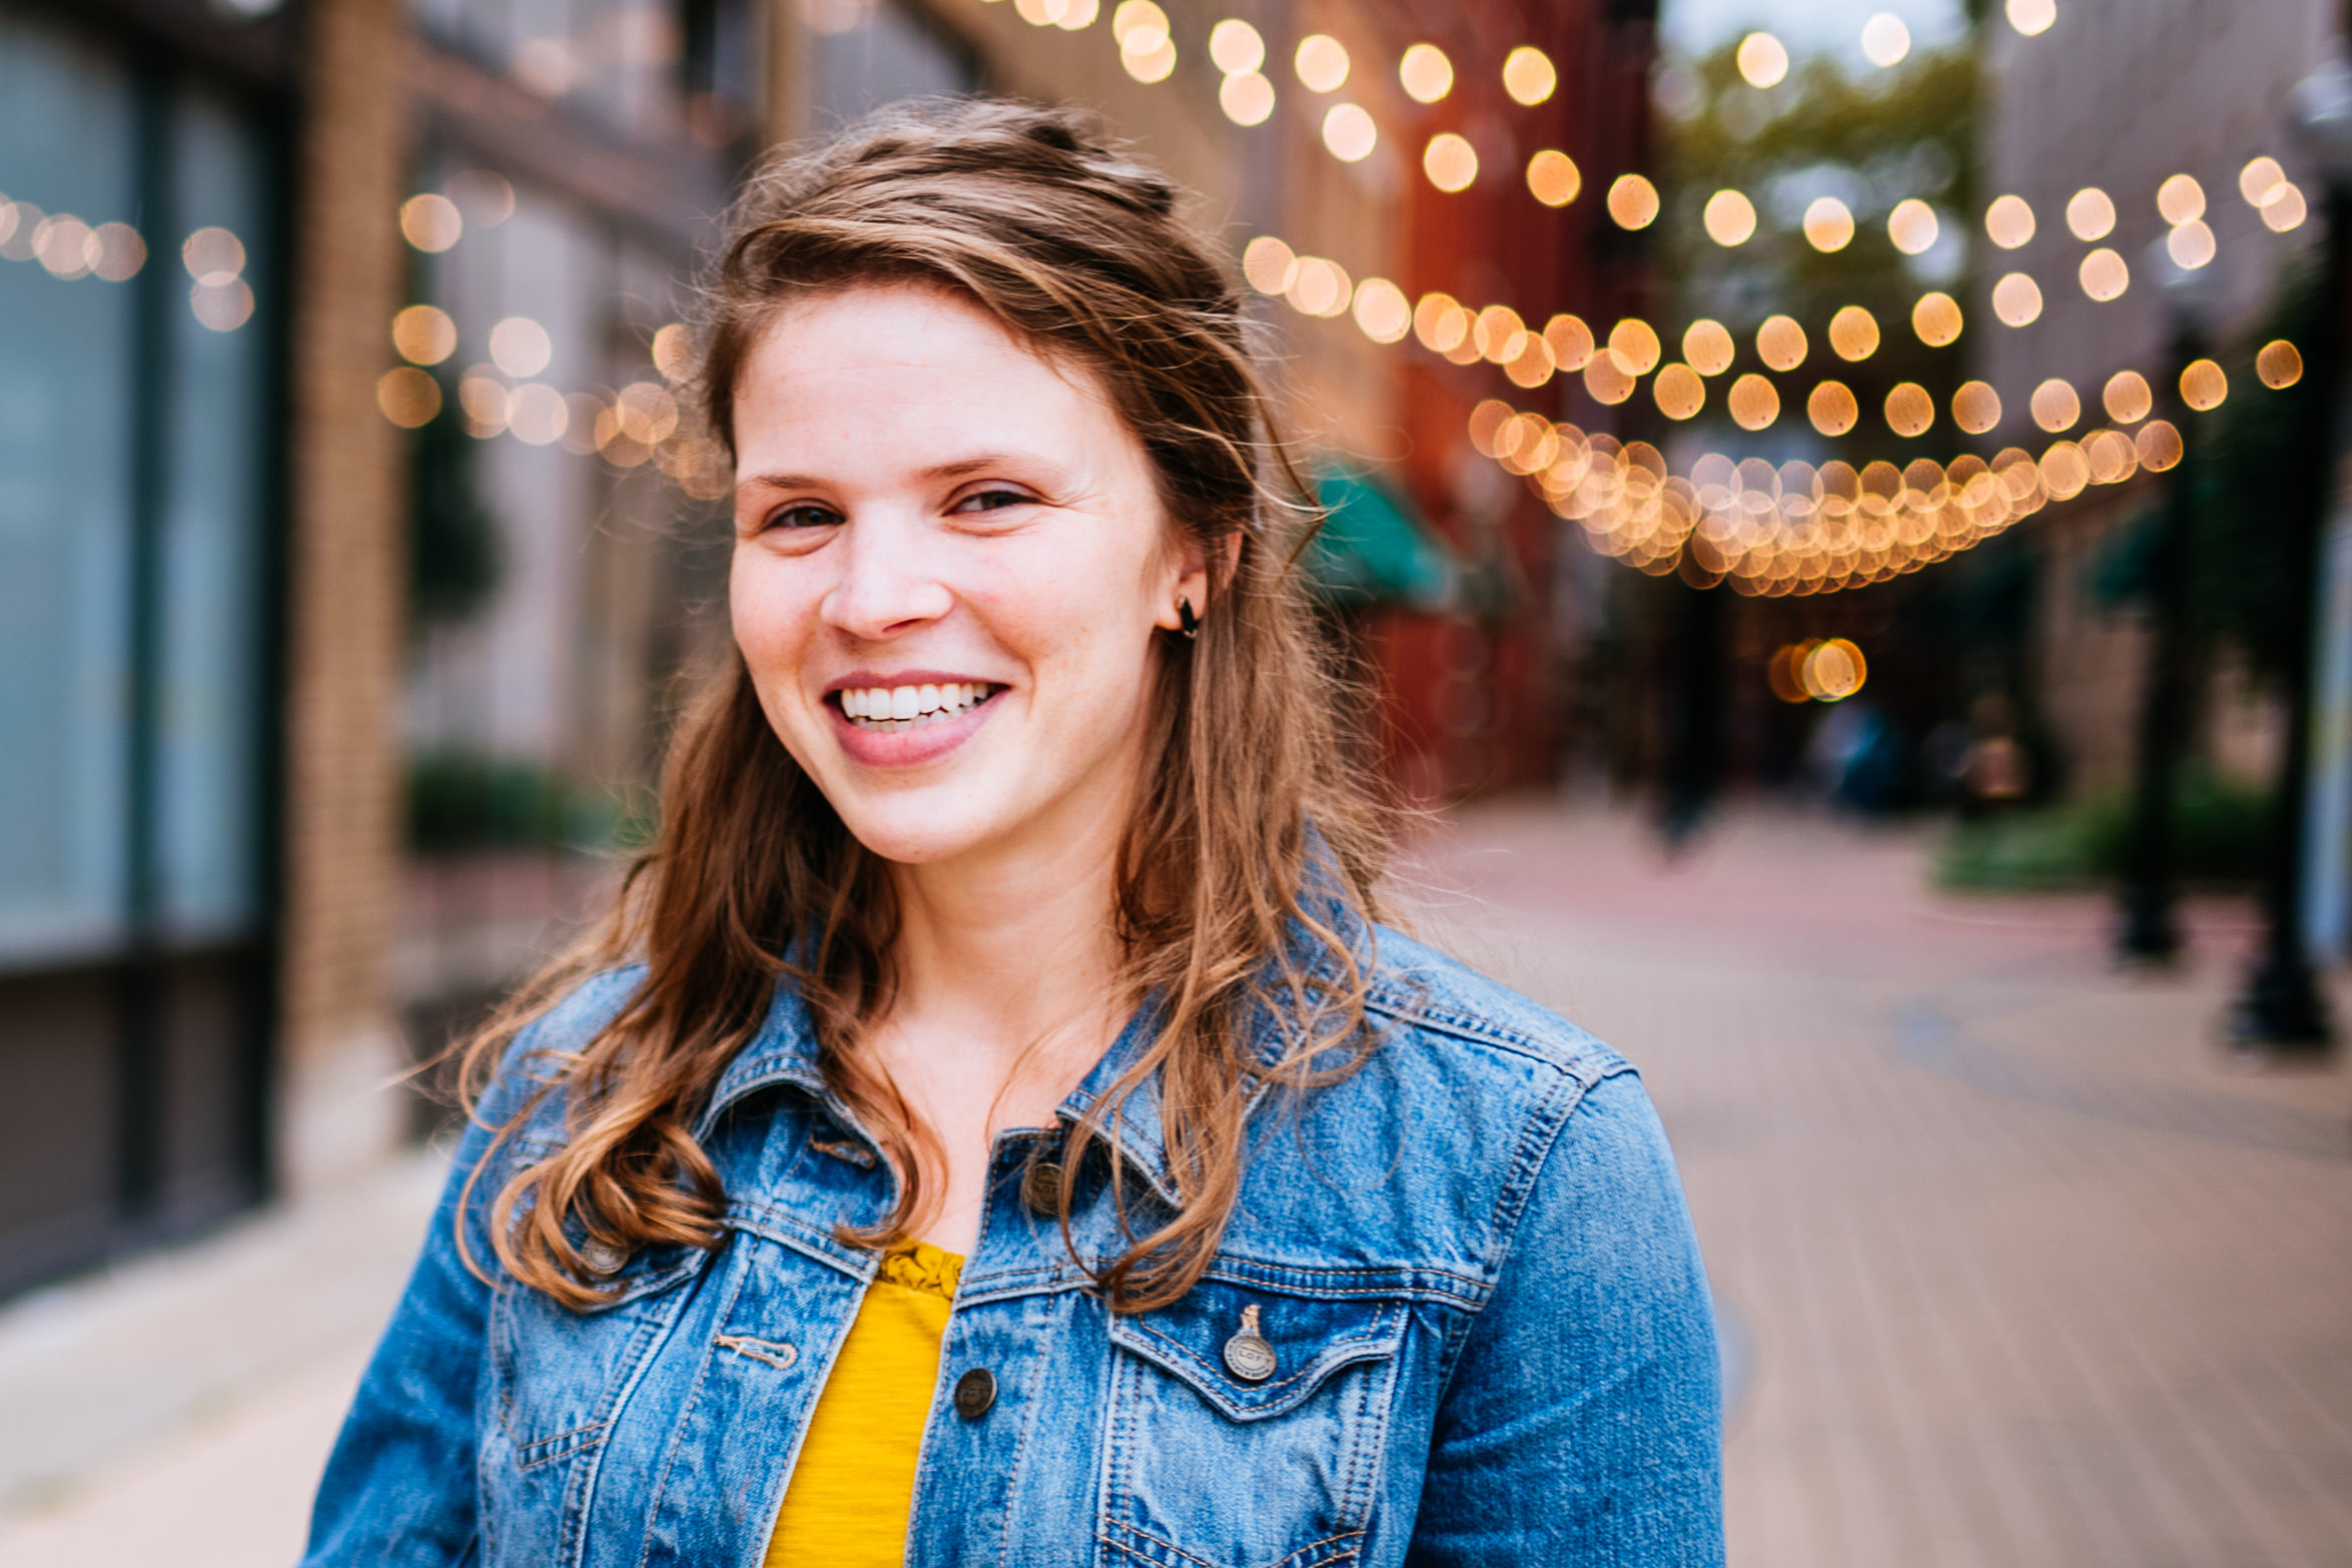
{"points": [[1247, 1355], [975, 1390], [1041, 1187]]}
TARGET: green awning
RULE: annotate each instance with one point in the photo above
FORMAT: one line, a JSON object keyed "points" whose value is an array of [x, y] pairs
{"points": [[1372, 548]]}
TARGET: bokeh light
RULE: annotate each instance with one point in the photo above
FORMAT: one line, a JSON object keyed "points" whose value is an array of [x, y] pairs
{"points": [[1853, 333], [1829, 225], [1730, 218], [1910, 411], [1884, 40], [1570, 341], [1763, 60], [2181, 200], [1780, 343], [1708, 345], [1975, 408], [2203, 385], [2064, 470], [1319, 287], [1633, 202], [1450, 162], [481, 195], [2055, 406], [2190, 245], [1911, 225], [1147, 46], [1270, 264], [64, 244], [2008, 222], [1553, 178], [1633, 343], [2279, 363], [673, 350], [1754, 403], [1440, 323], [121, 252], [2104, 274], [1425, 73], [2160, 445], [1607, 381], [2284, 209], [424, 334], [2032, 17], [1493, 329], [1679, 392], [431, 222], [213, 256], [222, 307], [1322, 62], [1349, 134], [2258, 178], [1247, 96], [520, 346], [1382, 311], [1235, 47], [1833, 670], [536, 414], [1936, 320], [2091, 214], [2016, 299], [2127, 398], [1529, 76], [408, 397]]}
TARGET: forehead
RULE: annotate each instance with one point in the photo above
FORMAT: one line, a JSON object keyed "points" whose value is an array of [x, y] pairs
{"points": [[891, 365]]}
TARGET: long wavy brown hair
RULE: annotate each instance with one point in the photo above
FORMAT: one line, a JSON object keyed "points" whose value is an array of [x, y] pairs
{"points": [[1253, 850]]}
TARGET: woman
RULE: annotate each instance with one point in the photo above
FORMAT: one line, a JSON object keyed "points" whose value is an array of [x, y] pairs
{"points": [[996, 1128]]}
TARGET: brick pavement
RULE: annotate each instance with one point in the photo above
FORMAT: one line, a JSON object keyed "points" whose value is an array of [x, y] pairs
{"points": [[2021, 1268], [2018, 1269]]}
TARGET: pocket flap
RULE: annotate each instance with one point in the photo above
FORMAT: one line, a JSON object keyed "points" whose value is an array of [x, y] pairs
{"points": [[1308, 1337]]}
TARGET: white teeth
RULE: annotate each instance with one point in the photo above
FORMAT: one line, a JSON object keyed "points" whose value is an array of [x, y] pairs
{"points": [[912, 706]]}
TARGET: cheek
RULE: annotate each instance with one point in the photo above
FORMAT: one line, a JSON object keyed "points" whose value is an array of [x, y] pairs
{"points": [[766, 608]]}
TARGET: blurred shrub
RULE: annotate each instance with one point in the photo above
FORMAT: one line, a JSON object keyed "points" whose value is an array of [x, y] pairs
{"points": [[2219, 829], [459, 802]]}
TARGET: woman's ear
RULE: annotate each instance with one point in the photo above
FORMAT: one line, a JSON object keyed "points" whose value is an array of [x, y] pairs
{"points": [[1192, 582]]}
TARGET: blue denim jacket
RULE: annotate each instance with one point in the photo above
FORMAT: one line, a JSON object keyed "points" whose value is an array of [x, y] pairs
{"points": [[1490, 1335]]}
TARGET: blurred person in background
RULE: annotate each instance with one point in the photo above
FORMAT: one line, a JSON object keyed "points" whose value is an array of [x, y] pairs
{"points": [[994, 1122]]}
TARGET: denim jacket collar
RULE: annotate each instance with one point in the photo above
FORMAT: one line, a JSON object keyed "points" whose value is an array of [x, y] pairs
{"points": [[785, 1051]]}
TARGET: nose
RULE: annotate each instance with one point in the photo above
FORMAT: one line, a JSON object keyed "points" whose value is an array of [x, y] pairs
{"points": [[888, 584]]}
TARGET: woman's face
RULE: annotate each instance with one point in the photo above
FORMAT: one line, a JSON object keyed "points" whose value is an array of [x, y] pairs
{"points": [[950, 563]]}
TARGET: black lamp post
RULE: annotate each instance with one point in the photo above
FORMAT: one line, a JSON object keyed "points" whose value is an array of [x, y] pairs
{"points": [[2150, 934], [2283, 1008]]}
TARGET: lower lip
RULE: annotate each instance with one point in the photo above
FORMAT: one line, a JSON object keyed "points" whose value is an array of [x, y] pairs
{"points": [[909, 748]]}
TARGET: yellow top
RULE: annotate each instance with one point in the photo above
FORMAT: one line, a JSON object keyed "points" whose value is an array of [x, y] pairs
{"points": [[847, 1503]]}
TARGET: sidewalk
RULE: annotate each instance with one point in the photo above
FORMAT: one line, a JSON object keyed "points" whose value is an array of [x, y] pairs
{"points": [[2016, 1268]]}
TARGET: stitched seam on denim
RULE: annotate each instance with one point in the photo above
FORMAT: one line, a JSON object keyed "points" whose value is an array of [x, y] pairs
{"points": [[1396, 1283], [1037, 1335], [1355, 1495], [1585, 1056], [1544, 1125], [737, 1273], [1297, 1559]]}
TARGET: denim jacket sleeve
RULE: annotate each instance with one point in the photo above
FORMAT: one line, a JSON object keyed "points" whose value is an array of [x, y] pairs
{"points": [[1582, 1423], [400, 1486]]}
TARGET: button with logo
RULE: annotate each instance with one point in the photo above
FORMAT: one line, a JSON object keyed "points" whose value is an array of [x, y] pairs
{"points": [[975, 1390], [1041, 1187], [1247, 1355]]}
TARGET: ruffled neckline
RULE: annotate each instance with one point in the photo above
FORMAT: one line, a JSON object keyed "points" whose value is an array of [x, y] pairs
{"points": [[918, 1266]]}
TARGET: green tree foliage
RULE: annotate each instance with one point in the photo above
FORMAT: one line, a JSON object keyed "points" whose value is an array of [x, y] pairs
{"points": [[1872, 141]]}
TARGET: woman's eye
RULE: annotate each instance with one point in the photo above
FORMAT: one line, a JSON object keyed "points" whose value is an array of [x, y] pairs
{"points": [[805, 516], [991, 500]]}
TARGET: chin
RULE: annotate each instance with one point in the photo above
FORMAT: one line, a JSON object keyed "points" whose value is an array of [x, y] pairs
{"points": [[906, 843]]}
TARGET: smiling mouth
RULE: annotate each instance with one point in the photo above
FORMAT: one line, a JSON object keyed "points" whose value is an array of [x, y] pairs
{"points": [[887, 710]]}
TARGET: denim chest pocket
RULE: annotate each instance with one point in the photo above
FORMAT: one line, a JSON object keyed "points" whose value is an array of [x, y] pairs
{"points": [[557, 1375], [1246, 1427]]}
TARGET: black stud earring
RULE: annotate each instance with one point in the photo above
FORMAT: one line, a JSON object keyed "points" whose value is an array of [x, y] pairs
{"points": [[1187, 622]]}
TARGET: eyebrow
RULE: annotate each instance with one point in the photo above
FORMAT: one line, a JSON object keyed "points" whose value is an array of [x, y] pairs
{"points": [[961, 467]]}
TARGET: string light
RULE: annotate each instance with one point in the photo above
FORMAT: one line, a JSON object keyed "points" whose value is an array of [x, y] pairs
{"points": [[1911, 225], [424, 334], [1553, 178], [1910, 411], [2054, 405], [1349, 133], [1322, 62], [1425, 73], [2008, 222], [2190, 245], [1780, 343], [1832, 409], [1529, 76], [1829, 225], [2032, 17], [1450, 162], [1679, 392], [1936, 320], [2091, 214], [2127, 398], [2181, 200], [1633, 202], [1147, 46], [2016, 299], [1884, 40], [1730, 218], [2103, 275], [1708, 345], [1853, 333], [1754, 403], [2279, 364], [1763, 60], [1975, 408], [2203, 385]]}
